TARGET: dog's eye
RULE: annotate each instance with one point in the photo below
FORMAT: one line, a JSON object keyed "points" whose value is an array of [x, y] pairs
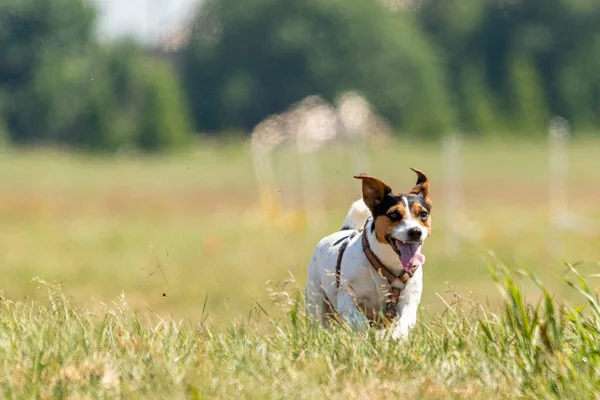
{"points": [[394, 216], [424, 215]]}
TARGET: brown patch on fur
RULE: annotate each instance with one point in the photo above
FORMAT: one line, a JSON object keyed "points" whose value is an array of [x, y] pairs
{"points": [[416, 209], [384, 225], [422, 186], [373, 190]]}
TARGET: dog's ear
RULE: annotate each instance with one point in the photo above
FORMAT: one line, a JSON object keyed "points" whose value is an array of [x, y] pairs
{"points": [[374, 191], [422, 186]]}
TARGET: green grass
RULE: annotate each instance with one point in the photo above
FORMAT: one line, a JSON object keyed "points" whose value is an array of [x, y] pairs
{"points": [[140, 243], [543, 349], [189, 226]]}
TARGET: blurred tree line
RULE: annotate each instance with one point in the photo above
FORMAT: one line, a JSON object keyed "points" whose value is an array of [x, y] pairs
{"points": [[486, 67], [58, 85]]}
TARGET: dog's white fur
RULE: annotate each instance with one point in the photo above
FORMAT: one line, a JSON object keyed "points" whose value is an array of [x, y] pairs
{"points": [[359, 283], [357, 216]]}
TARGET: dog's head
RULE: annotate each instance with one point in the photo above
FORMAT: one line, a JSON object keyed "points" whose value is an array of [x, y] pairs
{"points": [[401, 220]]}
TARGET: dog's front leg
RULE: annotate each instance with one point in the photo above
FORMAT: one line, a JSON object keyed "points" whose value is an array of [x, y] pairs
{"points": [[408, 306], [407, 321], [349, 311]]}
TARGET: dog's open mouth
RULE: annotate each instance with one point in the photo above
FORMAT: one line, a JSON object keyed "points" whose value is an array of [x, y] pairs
{"points": [[409, 253]]}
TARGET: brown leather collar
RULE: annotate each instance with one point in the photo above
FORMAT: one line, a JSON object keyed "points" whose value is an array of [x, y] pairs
{"points": [[404, 276]]}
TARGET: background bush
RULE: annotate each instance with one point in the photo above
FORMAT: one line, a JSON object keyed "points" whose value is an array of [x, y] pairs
{"points": [[485, 67], [61, 86], [510, 64], [250, 59]]}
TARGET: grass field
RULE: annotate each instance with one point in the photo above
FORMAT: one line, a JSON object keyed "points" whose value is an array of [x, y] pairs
{"points": [[182, 237], [541, 350]]}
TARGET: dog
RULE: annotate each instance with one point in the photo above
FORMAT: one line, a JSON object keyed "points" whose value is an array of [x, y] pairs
{"points": [[374, 274]]}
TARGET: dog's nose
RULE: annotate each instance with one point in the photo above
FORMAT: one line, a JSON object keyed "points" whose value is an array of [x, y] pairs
{"points": [[414, 233]]}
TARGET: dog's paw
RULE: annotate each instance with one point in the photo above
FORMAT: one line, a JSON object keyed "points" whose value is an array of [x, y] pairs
{"points": [[400, 333], [381, 334]]}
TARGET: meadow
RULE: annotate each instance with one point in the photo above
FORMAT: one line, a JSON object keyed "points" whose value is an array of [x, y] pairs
{"points": [[103, 256]]}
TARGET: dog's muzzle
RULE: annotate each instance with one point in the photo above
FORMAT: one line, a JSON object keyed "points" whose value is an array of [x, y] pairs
{"points": [[409, 253]]}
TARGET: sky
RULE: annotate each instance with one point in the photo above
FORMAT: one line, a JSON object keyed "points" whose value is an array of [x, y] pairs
{"points": [[145, 20]]}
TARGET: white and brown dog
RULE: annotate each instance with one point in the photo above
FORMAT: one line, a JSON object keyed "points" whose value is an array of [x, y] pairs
{"points": [[376, 272]]}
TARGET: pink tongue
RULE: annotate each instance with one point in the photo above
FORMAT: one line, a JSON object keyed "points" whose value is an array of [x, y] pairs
{"points": [[410, 255]]}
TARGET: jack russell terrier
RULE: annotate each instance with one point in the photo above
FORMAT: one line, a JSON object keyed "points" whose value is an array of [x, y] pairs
{"points": [[369, 272]]}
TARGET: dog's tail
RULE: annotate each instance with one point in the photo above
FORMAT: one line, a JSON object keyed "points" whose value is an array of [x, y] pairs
{"points": [[357, 216]]}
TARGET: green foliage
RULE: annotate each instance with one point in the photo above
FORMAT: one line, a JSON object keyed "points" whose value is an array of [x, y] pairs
{"points": [[164, 120], [31, 31], [249, 59], [4, 135], [33, 36], [63, 88], [133, 101], [579, 81], [528, 99], [108, 99], [538, 58], [481, 113], [483, 67]]}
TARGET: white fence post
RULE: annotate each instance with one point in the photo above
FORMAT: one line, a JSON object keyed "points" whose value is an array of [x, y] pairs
{"points": [[451, 165], [315, 125], [558, 165], [353, 113]]}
